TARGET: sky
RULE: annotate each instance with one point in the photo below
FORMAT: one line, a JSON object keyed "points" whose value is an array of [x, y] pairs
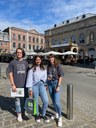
{"points": [[41, 14]]}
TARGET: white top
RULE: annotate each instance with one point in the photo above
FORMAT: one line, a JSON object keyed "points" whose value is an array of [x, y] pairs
{"points": [[34, 77]]}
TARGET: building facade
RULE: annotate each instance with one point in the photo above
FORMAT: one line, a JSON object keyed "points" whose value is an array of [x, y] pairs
{"points": [[4, 42], [28, 40], [77, 34]]}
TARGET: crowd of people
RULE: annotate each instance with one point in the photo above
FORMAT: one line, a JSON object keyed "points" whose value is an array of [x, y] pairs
{"points": [[36, 81]]}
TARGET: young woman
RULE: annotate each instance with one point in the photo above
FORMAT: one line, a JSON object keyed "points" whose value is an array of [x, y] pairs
{"points": [[55, 73], [35, 83]]}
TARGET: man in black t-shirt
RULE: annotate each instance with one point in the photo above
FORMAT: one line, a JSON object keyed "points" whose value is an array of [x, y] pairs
{"points": [[17, 70]]}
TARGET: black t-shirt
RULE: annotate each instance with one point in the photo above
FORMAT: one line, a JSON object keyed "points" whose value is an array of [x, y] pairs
{"points": [[19, 70]]}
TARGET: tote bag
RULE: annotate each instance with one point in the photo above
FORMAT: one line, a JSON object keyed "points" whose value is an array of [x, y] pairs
{"points": [[30, 105]]}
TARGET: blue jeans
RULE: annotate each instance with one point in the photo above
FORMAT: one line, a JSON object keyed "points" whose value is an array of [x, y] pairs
{"points": [[55, 96], [18, 105], [18, 101], [40, 89]]}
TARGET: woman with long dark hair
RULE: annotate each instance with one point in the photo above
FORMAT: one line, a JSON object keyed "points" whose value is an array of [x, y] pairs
{"points": [[55, 73], [36, 79]]}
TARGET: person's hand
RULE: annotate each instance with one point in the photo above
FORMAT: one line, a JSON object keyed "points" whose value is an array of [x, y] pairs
{"points": [[57, 89], [46, 87], [49, 78], [14, 89], [30, 93]]}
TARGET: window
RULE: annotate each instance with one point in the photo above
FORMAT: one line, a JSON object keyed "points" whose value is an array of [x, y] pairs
{"points": [[83, 16], [53, 42], [41, 47], [91, 49], [0, 43], [14, 45], [33, 47], [19, 37], [19, 45], [42, 41], [73, 39], [23, 45], [81, 38], [0, 50], [33, 39], [92, 36], [14, 36], [37, 40], [65, 41], [37, 47], [67, 21], [23, 38], [29, 46], [55, 25], [29, 38]]}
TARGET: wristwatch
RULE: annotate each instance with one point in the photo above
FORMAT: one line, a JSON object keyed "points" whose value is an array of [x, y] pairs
{"points": [[58, 85]]}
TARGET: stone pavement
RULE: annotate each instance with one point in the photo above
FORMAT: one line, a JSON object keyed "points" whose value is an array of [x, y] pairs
{"points": [[8, 115]]}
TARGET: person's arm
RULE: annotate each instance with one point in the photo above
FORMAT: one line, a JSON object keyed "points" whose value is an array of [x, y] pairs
{"points": [[29, 82], [59, 84], [59, 81], [60, 75], [11, 77], [12, 81]]}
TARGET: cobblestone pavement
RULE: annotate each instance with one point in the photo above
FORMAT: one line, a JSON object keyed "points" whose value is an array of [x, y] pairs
{"points": [[81, 118]]}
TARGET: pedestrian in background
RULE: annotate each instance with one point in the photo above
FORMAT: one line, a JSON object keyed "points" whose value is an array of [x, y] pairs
{"points": [[36, 79], [55, 73], [17, 70], [95, 65]]}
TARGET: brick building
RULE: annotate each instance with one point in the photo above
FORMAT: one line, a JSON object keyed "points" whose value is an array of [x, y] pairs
{"points": [[77, 34], [28, 40], [4, 42]]}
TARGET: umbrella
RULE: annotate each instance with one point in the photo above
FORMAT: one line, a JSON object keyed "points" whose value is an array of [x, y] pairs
{"points": [[40, 53], [52, 52], [32, 53], [69, 53]]}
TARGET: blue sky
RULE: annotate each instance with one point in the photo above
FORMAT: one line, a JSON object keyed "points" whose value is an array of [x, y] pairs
{"points": [[41, 14]]}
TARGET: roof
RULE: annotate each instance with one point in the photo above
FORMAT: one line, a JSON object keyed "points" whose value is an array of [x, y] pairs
{"points": [[73, 20]]}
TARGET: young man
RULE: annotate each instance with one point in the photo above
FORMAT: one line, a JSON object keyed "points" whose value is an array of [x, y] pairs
{"points": [[17, 74]]}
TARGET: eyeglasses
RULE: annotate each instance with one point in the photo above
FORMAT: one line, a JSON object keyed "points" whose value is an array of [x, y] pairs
{"points": [[18, 52]]}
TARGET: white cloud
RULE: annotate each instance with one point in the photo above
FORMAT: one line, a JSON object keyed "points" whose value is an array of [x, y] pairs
{"points": [[64, 10], [53, 11], [24, 24]]}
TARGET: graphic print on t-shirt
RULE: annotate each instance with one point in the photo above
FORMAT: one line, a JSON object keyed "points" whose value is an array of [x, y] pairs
{"points": [[20, 68]]}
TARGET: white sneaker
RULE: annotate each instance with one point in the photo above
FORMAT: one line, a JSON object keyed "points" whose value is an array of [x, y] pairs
{"points": [[37, 118], [26, 114], [57, 116], [19, 118], [52, 117], [60, 122]]}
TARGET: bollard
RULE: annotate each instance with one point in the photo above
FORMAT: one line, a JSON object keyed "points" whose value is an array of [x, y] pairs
{"points": [[0, 72], [69, 101]]}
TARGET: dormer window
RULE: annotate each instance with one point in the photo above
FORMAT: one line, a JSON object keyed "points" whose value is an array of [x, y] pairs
{"points": [[67, 21], [83, 16], [54, 25]]}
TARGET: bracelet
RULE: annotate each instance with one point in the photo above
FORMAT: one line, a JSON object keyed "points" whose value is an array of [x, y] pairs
{"points": [[58, 85]]}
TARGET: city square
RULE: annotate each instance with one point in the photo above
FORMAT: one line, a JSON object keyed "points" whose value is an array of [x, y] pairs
{"points": [[84, 103], [56, 39]]}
